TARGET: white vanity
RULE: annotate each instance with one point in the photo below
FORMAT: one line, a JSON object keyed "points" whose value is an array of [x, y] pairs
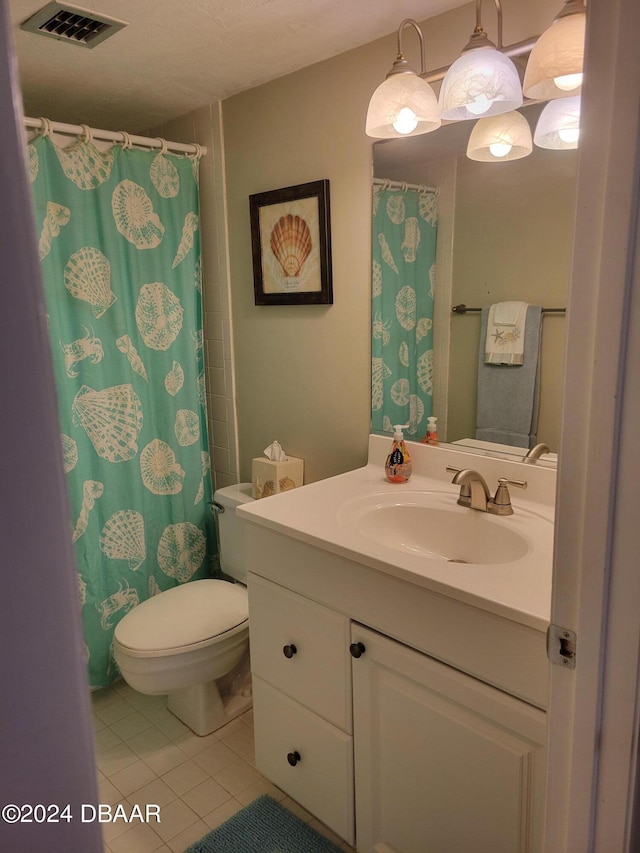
{"points": [[398, 648]]}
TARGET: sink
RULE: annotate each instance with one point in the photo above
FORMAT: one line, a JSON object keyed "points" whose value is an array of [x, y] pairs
{"points": [[431, 524]]}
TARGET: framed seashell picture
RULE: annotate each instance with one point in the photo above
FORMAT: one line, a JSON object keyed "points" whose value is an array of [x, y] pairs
{"points": [[291, 242]]}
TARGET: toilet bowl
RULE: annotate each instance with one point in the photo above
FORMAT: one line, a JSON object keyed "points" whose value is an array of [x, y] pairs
{"points": [[191, 642]]}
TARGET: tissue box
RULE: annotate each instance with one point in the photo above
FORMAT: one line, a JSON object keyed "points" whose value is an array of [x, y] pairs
{"points": [[269, 477]]}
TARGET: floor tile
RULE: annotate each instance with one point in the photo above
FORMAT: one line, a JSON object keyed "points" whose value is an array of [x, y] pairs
{"points": [[132, 778], [114, 711], [115, 759], [184, 777], [148, 741], [237, 776], [130, 725], [222, 813], [164, 759], [175, 818], [206, 797], [257, 789], [156, 793], [188, 836], [137, 839], [215, 758]]}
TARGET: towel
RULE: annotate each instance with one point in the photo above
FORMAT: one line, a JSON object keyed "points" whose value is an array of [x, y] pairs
{"points": [[505, 327], [509, 395]]}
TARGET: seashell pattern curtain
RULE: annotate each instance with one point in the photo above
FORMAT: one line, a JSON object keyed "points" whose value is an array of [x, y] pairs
{"points": [[120, 251], [403, 274]]}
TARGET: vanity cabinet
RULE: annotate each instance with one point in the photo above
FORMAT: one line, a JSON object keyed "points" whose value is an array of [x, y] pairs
{"points": [[442, 761], [394, 714]]}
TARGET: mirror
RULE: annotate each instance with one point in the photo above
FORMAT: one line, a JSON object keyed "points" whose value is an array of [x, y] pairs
{"points": [[505, 232]]}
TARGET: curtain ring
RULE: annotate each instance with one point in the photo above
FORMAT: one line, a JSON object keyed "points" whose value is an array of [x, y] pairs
{"points": [[387, 184], [405, 187], [198, 152], [126, 140], [87, 134], [163, 144], [46, 129]]}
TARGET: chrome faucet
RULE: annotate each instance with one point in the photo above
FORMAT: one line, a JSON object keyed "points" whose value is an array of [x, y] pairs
{"points": [[475, 493], [532, 455]]}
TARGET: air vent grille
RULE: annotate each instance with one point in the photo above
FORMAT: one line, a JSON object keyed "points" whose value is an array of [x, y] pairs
{"points": [[72, 24]]}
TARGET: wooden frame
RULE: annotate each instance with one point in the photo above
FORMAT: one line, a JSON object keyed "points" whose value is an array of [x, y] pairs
{"points": [[291, 241]]}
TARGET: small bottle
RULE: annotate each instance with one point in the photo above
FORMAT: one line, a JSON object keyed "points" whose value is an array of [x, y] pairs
{"points": [[431, 435], [398, 465]]}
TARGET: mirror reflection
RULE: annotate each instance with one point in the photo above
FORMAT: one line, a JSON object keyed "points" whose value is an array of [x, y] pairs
{"points": [[504, 235]]}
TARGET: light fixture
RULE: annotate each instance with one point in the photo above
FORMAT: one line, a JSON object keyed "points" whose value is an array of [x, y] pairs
{"points": [[559, 124], [499, 138], [483, 81], [404, 104], [554, 69]]}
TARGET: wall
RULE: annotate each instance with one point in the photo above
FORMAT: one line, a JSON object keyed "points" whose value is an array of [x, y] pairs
{"points": [[303, 373]]}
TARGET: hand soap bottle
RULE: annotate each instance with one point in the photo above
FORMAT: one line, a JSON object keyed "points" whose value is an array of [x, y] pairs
{"points": [[398, 465], [431, 435]]}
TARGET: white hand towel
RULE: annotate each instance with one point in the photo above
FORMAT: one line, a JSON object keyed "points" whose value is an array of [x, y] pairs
{"points": [[505, 333]]}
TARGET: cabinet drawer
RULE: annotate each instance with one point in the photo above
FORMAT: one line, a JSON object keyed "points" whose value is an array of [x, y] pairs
{"points": [[317, 670], [321, 779]]}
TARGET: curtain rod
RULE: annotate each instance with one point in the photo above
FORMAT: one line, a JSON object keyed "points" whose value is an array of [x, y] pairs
{"points": [[402, 185], [118, 136], [462, 309]]}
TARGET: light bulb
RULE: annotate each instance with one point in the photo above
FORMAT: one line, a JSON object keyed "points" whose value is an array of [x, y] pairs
{"points": [[479, 106], [569, 134], [405, 121], [500, 149], [568, 82]]}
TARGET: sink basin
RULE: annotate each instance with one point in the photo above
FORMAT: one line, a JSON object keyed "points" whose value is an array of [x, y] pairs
{"points": [[431, 524]]}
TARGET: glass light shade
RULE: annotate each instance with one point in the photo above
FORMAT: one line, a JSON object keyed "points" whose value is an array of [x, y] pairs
{"points": [[559, 124], [395, 100], [499, 138], [558, 53], [482, 82]]}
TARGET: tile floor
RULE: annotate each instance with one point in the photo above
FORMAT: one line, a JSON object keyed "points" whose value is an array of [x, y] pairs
{"points": [[145, 755]]}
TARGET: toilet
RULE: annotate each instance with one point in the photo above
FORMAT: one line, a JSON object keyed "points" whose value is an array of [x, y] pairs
{"points": [[191, 642]]}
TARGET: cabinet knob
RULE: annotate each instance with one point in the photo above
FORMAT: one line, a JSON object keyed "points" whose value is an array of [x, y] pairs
{"points": [[293, 758], [357, 649], [289, 651]]}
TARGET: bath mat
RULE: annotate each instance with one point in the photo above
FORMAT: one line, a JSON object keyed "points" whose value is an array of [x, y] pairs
{"points": [[264, 826]]}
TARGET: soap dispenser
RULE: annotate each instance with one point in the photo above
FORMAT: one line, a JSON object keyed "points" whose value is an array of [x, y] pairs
{"points": [[398, 465], [431, 435]]}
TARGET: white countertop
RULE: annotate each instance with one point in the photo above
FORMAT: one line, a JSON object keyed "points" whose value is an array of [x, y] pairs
{"points": [[318, 514]]}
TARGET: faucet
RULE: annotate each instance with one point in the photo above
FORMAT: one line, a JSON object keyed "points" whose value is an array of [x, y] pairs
{"points": [[475, 493], [532, 455]]}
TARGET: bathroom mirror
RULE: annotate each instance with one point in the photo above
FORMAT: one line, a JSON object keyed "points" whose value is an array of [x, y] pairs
{"points": [[505, 232]]}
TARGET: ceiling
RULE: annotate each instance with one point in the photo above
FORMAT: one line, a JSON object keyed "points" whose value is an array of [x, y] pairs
{"points": [[177, 55]]}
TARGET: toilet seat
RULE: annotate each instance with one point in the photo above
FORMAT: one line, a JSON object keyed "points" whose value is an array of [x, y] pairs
{"points": [[187, 617]]}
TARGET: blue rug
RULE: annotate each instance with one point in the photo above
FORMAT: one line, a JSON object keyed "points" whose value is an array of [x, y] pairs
{"points": [[264, 826]]}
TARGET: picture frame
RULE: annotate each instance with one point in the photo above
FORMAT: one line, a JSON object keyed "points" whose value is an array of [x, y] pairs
{"points": [[291, 245]]}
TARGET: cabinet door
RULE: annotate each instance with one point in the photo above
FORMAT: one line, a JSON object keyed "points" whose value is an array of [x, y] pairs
{"points": [[443, 762], [305, 756], [302, 648]]}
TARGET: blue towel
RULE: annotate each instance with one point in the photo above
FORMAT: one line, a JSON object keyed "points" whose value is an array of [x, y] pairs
{"points": [[509, 394]]}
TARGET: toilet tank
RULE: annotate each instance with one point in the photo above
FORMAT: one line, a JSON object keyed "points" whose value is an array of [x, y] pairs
{"points": [[231, 543]]}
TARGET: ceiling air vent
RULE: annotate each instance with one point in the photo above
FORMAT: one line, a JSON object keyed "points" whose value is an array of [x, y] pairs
{"points": [[72, 24]]}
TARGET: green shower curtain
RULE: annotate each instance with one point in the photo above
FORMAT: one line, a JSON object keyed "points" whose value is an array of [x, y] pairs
{"points": [[120, 251], [405, 226]]}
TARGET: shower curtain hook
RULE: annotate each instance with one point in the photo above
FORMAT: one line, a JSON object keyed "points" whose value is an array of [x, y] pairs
{"points": [[126, 140], [405, 187], [87, 134], [46, 128], [198, 152], [163, 144]]}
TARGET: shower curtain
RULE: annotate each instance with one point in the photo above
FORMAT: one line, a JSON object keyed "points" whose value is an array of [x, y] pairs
{"points": [[120, 252], [403, 275]]}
